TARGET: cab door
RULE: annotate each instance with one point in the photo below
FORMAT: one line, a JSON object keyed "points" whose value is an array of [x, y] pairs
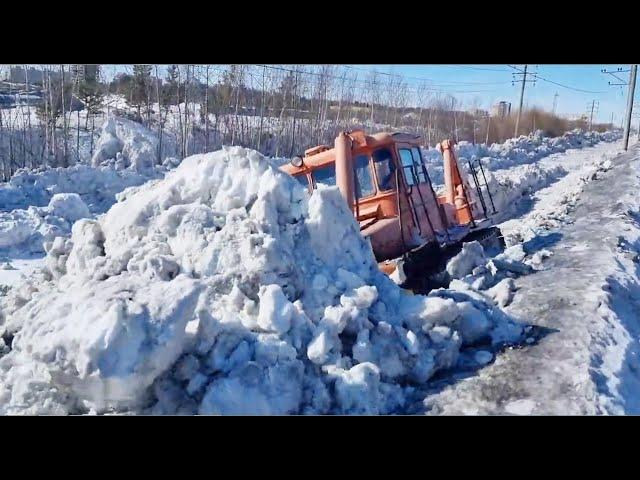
{"points": [[418, 190]]}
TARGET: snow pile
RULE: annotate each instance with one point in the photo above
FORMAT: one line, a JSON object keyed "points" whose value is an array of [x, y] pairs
{"points": [[488, 278], [509, 186], [127, 144], [223, 288], [96, 186], [124, 157], [28, 231], [515, 151]]}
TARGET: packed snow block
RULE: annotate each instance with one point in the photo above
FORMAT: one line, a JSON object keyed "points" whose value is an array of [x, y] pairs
{"points": [[128, 144], [57, 255], [26, 231], [357, 390], [514, 253], [502, 292], [471, 256], [87, 239], [496, 265], [334, 233], [320, 346], [107, 341], [482, 357], [256, 390], [108, 145], [473, 324], [275, 310], [68, 206]]}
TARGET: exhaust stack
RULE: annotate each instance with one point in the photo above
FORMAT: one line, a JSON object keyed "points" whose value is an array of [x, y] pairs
{"points": [[344, 168]]}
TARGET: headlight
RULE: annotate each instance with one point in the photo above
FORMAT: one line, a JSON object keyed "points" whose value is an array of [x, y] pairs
{"points": [[297, 162]]}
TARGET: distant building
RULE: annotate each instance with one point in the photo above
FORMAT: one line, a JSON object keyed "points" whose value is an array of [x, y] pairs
{"points": [[478, 112], [577, 117], [18, 74], [87, 73], [501, 109]]}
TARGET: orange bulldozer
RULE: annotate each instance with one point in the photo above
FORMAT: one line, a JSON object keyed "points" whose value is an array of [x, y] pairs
{"points": [[384, 181]]}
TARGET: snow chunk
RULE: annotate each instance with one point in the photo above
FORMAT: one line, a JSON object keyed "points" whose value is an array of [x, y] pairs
{"points": [[69, 206], [520, 407], [275, 310], [357, 390], [471, 256], [502, 292]]}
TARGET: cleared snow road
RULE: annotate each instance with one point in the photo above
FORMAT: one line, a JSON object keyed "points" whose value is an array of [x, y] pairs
{"points": [[587, 296]]}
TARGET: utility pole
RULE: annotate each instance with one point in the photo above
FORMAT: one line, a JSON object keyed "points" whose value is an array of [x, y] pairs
{"points": [[486, 140], [524, 81], [555, 103], [630, 92], [632, 86], [524, 78], [592, 106]]}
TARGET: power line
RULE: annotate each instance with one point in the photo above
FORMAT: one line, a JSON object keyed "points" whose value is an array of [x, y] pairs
{"points": [[424, 79], [614, 74], [566, 86], [414, 89], [476, 68], [557, 83]]}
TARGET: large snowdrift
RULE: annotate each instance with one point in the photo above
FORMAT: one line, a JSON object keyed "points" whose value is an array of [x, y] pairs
{"points": [[125, 156], [127, 144], [223, 288], [515, 151]]}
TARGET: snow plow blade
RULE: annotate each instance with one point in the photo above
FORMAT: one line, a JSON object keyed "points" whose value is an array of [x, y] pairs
{"points": [[424, 268]]}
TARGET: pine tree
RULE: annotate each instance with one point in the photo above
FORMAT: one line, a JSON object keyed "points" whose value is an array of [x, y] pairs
{"points": [[170, 91], [141, 88], [91, 94]]}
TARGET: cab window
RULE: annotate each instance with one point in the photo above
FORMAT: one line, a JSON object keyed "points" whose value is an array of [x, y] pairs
{"points": [[362, 176], [408, 167], [385, 169], [325, 175], [417, 161], [412, 166]]}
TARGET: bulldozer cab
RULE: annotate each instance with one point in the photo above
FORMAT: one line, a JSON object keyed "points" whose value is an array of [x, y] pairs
{"points": [[385, 181]]}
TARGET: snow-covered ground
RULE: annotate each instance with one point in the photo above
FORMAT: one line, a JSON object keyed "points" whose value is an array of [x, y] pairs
{"points": [[587, 297], [221, 288], [14, 271]]}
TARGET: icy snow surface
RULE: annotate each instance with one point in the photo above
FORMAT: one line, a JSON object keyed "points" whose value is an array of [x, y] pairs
{"points": [[582, 235]]}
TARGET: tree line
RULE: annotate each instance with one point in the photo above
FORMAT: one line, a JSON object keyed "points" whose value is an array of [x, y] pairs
{"points": [[280, 110]]}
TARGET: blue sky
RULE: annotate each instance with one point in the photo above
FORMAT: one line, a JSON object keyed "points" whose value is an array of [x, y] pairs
{"points": [[491, 83]]}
